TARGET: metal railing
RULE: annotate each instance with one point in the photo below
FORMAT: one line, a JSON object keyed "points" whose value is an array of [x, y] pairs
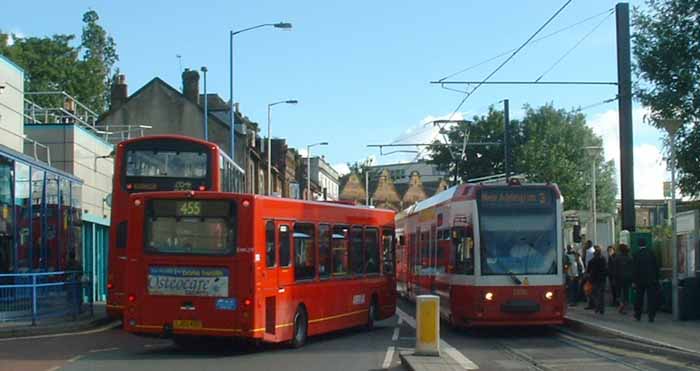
{"points": [[35, 146], [59, 107], [36, 296]]}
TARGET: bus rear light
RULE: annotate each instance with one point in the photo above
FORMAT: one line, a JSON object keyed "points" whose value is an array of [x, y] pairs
{"points": [[131, 298], [549, 295], [109, 285], [247, 302], [488, 296], [137, 202], [129, 186], [202, 188], [246, 203]]}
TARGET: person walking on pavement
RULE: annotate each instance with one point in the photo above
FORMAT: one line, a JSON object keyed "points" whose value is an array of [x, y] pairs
{"points": [[573, 271], [589, 253], [612, 276], [623, 280], [597, 271], [646, 280]]}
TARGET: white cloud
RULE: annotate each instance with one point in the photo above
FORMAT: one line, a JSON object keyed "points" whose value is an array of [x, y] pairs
{"points": [[342, 168], [649, 166], [14, 35]]}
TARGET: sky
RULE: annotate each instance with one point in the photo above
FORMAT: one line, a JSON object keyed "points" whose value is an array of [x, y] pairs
{"points": [[361, 70]]}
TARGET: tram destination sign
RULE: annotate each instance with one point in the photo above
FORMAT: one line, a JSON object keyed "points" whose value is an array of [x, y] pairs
{"points": [[529, 198], [188, 281]]}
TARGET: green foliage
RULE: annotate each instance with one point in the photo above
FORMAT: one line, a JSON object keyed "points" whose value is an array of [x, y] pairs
{"points": [[472, 161], [53, 64], [548, 145], [667, 52], [554, 151]]}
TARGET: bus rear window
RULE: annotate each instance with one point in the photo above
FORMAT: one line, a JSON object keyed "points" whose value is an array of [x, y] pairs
{"points": [[166, 164], [190, 227]]}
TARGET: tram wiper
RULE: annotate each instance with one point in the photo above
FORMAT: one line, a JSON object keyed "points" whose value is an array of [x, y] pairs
{"points": [[515, 278]]}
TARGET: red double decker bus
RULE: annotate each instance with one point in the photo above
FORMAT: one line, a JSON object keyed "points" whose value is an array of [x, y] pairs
{"points": [[255, 267], [159, 163], [493, 253]]}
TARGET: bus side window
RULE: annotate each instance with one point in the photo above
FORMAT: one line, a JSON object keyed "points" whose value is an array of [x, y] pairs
{"points": [[388, 251], [324, 253], [270, 244], [356, 263], [339, 249], [371, 250], [284, 242], [121, 235], [304, 253]]}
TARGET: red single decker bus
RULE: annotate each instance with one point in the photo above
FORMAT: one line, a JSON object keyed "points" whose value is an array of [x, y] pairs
{"points": [[159, 163], [255, 267], [492, 252]]}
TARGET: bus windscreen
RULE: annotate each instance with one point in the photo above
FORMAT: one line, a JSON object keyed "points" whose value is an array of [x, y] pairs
{"points": [[190, 227], [166, 164]]}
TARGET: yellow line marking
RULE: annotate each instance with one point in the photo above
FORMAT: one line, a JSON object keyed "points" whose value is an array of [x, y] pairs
{"points": [[338, 316]]}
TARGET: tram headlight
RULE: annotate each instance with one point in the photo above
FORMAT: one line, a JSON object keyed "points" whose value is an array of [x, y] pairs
{"points": [[549, 295], [488, 296]]}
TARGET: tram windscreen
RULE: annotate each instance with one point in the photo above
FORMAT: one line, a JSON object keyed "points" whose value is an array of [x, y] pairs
{"points": [[190, 227], [518, 231]]}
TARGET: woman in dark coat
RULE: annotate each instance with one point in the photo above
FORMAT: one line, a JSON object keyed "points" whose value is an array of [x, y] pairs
{"points": [[623, 272]]}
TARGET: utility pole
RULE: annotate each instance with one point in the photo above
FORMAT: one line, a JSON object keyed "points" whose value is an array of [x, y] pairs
{"points": [[624, 94], [206, 107], [506, 138]]}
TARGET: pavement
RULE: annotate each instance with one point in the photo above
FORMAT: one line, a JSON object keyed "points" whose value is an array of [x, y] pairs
{"points": [[663, 332], [57, 325]]}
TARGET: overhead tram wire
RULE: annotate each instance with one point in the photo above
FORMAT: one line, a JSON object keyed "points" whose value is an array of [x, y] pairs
{"points": [[587, 107], [466, 96], [532, 42], [576, 45]]}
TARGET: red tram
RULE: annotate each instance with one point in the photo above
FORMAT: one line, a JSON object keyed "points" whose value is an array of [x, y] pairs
{"points": [[493, 253]]}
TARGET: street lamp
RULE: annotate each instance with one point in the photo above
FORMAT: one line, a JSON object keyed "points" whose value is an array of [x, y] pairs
{"points": [[308, 167], [594, 151], [672, 126], [269, 142], [280, 25]]}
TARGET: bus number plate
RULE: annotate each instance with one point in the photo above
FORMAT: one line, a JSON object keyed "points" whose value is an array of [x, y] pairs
{"points": [[187, 324], [519, 292]]}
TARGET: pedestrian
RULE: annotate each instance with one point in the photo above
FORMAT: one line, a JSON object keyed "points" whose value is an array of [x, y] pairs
{"points": [[623, 272], [612, 276], [597, 271], [573, 271], [589, 252], [645, 280]]}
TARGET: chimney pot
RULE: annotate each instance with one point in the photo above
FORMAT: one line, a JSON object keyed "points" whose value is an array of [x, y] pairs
{"points": [[190, 83], [119, 93]]}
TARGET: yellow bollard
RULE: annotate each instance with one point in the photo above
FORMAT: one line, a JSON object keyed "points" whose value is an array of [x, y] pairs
{"points": [[428, 325]]}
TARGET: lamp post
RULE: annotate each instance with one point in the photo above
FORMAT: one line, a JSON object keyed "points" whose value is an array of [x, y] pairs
{"points": [[672, 126], [206, 107], [281, 25], [594, 151], [308, 167], [269, 142]]}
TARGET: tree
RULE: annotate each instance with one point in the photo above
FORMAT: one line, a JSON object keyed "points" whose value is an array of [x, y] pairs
{"points": [[472, 161], [554, 151], [667, 53], [53, 64]]}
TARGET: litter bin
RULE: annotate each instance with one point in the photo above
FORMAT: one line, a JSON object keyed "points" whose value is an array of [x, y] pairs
{"points": [[665, 303], [687, 299]]}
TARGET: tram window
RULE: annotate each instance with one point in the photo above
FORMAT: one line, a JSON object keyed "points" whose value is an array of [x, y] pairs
{"points": [[463, 242], [304, 254], [270, 244], [356, 263], [339, 248], [371, 251], [324, 254], [285, 258], [388, 251]]}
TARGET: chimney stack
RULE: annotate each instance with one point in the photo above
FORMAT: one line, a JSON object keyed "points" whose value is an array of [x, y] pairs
{"points": [[119, 93], [190, 84]]}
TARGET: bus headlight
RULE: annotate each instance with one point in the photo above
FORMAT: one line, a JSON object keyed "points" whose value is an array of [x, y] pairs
{"points": [[488, 296], [549, 295]]}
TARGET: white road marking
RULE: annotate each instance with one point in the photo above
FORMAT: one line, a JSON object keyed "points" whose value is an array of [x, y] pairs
{"points": [[74, 359], [104, 350], [54, 368], [400, 321], [88, 332], [451, 351], [395, 336], [389, 357]]}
